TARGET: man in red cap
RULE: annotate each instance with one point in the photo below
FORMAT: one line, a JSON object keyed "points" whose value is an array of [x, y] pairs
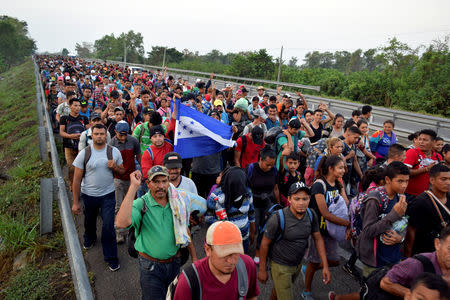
{"points": [[220, 275]]}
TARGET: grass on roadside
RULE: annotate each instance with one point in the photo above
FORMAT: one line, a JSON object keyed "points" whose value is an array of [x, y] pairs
{"points": [[46, 274]]}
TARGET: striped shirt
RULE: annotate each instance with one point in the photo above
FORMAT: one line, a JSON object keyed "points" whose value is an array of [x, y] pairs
{"points": [[241, 217]]}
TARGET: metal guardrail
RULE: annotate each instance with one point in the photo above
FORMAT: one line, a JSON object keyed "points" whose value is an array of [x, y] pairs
{"points": [[406, 122], [229, 77], [78, 269]]}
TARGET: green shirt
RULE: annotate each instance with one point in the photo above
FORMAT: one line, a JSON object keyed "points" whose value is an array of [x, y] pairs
{"points": [[144, 140], [157, 237], [283, 140]]}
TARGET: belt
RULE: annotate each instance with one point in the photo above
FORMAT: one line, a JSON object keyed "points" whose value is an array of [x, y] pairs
{"points": [[162, 261]]}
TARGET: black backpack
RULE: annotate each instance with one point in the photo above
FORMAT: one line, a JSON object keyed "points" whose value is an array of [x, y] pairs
{"points": [[77, 126], [193, 280], [131, 239], [371, 289]]}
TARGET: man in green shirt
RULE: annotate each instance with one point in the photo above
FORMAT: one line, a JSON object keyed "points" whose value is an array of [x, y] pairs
{"points": [[142, 131], [158, 230]]}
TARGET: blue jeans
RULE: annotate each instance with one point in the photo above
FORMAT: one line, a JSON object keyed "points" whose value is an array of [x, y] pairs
{"points": [[91, 206], [156, 277]]}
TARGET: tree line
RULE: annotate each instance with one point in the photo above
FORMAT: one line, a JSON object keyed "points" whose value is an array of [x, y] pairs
{"points": [[15, 44], [393, 75]]}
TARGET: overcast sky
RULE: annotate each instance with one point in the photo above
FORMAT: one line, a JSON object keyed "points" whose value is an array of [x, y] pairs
{"points": [[236, 25]]}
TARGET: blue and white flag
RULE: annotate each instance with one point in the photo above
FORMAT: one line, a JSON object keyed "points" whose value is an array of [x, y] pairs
{"points": [[197, 134]]}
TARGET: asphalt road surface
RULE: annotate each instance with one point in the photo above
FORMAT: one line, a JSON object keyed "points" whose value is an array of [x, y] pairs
{"points": [[124, 284]]}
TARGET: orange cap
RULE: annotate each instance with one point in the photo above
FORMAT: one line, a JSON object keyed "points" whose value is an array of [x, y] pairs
{"points": [[226, 237]]}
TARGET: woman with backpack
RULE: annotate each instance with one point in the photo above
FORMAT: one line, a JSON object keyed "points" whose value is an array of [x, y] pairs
{"points": [[263, 182], [381, 140], [327, 189]]}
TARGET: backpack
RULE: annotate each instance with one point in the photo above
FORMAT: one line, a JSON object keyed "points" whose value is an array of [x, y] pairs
{"points": [[87, 156], [271, 135], [193, 280], [355, 216], [131, 239], [75, 127], [371, 289], [244, 146], [278, 149], [278, 210], [141, 134]]}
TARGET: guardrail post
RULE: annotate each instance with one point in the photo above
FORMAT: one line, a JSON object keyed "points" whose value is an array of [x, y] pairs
{"points": [[42, 133], [48, 186]]}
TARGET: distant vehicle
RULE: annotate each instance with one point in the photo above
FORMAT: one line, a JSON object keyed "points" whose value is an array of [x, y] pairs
{"points": [[136, 69]]}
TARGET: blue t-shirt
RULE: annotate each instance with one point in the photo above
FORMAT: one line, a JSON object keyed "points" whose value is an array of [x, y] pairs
{"points": [[385, 143]]}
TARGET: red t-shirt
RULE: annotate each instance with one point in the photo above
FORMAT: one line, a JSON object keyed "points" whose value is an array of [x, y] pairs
{"points": [[212, 288], [415, 159], [251, 151], [158, 157]]}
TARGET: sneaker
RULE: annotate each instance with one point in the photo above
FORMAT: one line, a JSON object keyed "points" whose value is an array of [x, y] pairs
{"points": [[331, 295], [351, 271], [87, 246], [256, 260], [114, 266], [307, 295], [303, 270]]}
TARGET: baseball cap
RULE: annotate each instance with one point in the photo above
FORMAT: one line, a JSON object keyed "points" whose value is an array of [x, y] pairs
{"points": [[147, 110], [260, 88], [287, 96], [218, 102], [172, 160], [60, 78], [259, 112], [257, 135], [298, 186], [122, 127], [95, 116], [225, 237], [114, 94], [156, 129], [83, 103], [244, 90], [67, 77], [294, 123], [157, 170], [208, 97], [117, 108]]}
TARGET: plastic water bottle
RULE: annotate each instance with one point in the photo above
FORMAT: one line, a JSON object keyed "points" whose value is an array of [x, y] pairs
{"points": [[399, 227]]}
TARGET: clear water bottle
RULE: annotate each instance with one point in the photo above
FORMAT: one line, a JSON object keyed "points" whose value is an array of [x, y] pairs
{"points": [[399, 227]]}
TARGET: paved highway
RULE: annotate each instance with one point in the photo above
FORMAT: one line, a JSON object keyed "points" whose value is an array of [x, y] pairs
{"points": [[124, 284]]}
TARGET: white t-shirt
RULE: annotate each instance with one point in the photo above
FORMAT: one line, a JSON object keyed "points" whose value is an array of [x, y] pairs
{"points": [[187, 185], [98, 180]]}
